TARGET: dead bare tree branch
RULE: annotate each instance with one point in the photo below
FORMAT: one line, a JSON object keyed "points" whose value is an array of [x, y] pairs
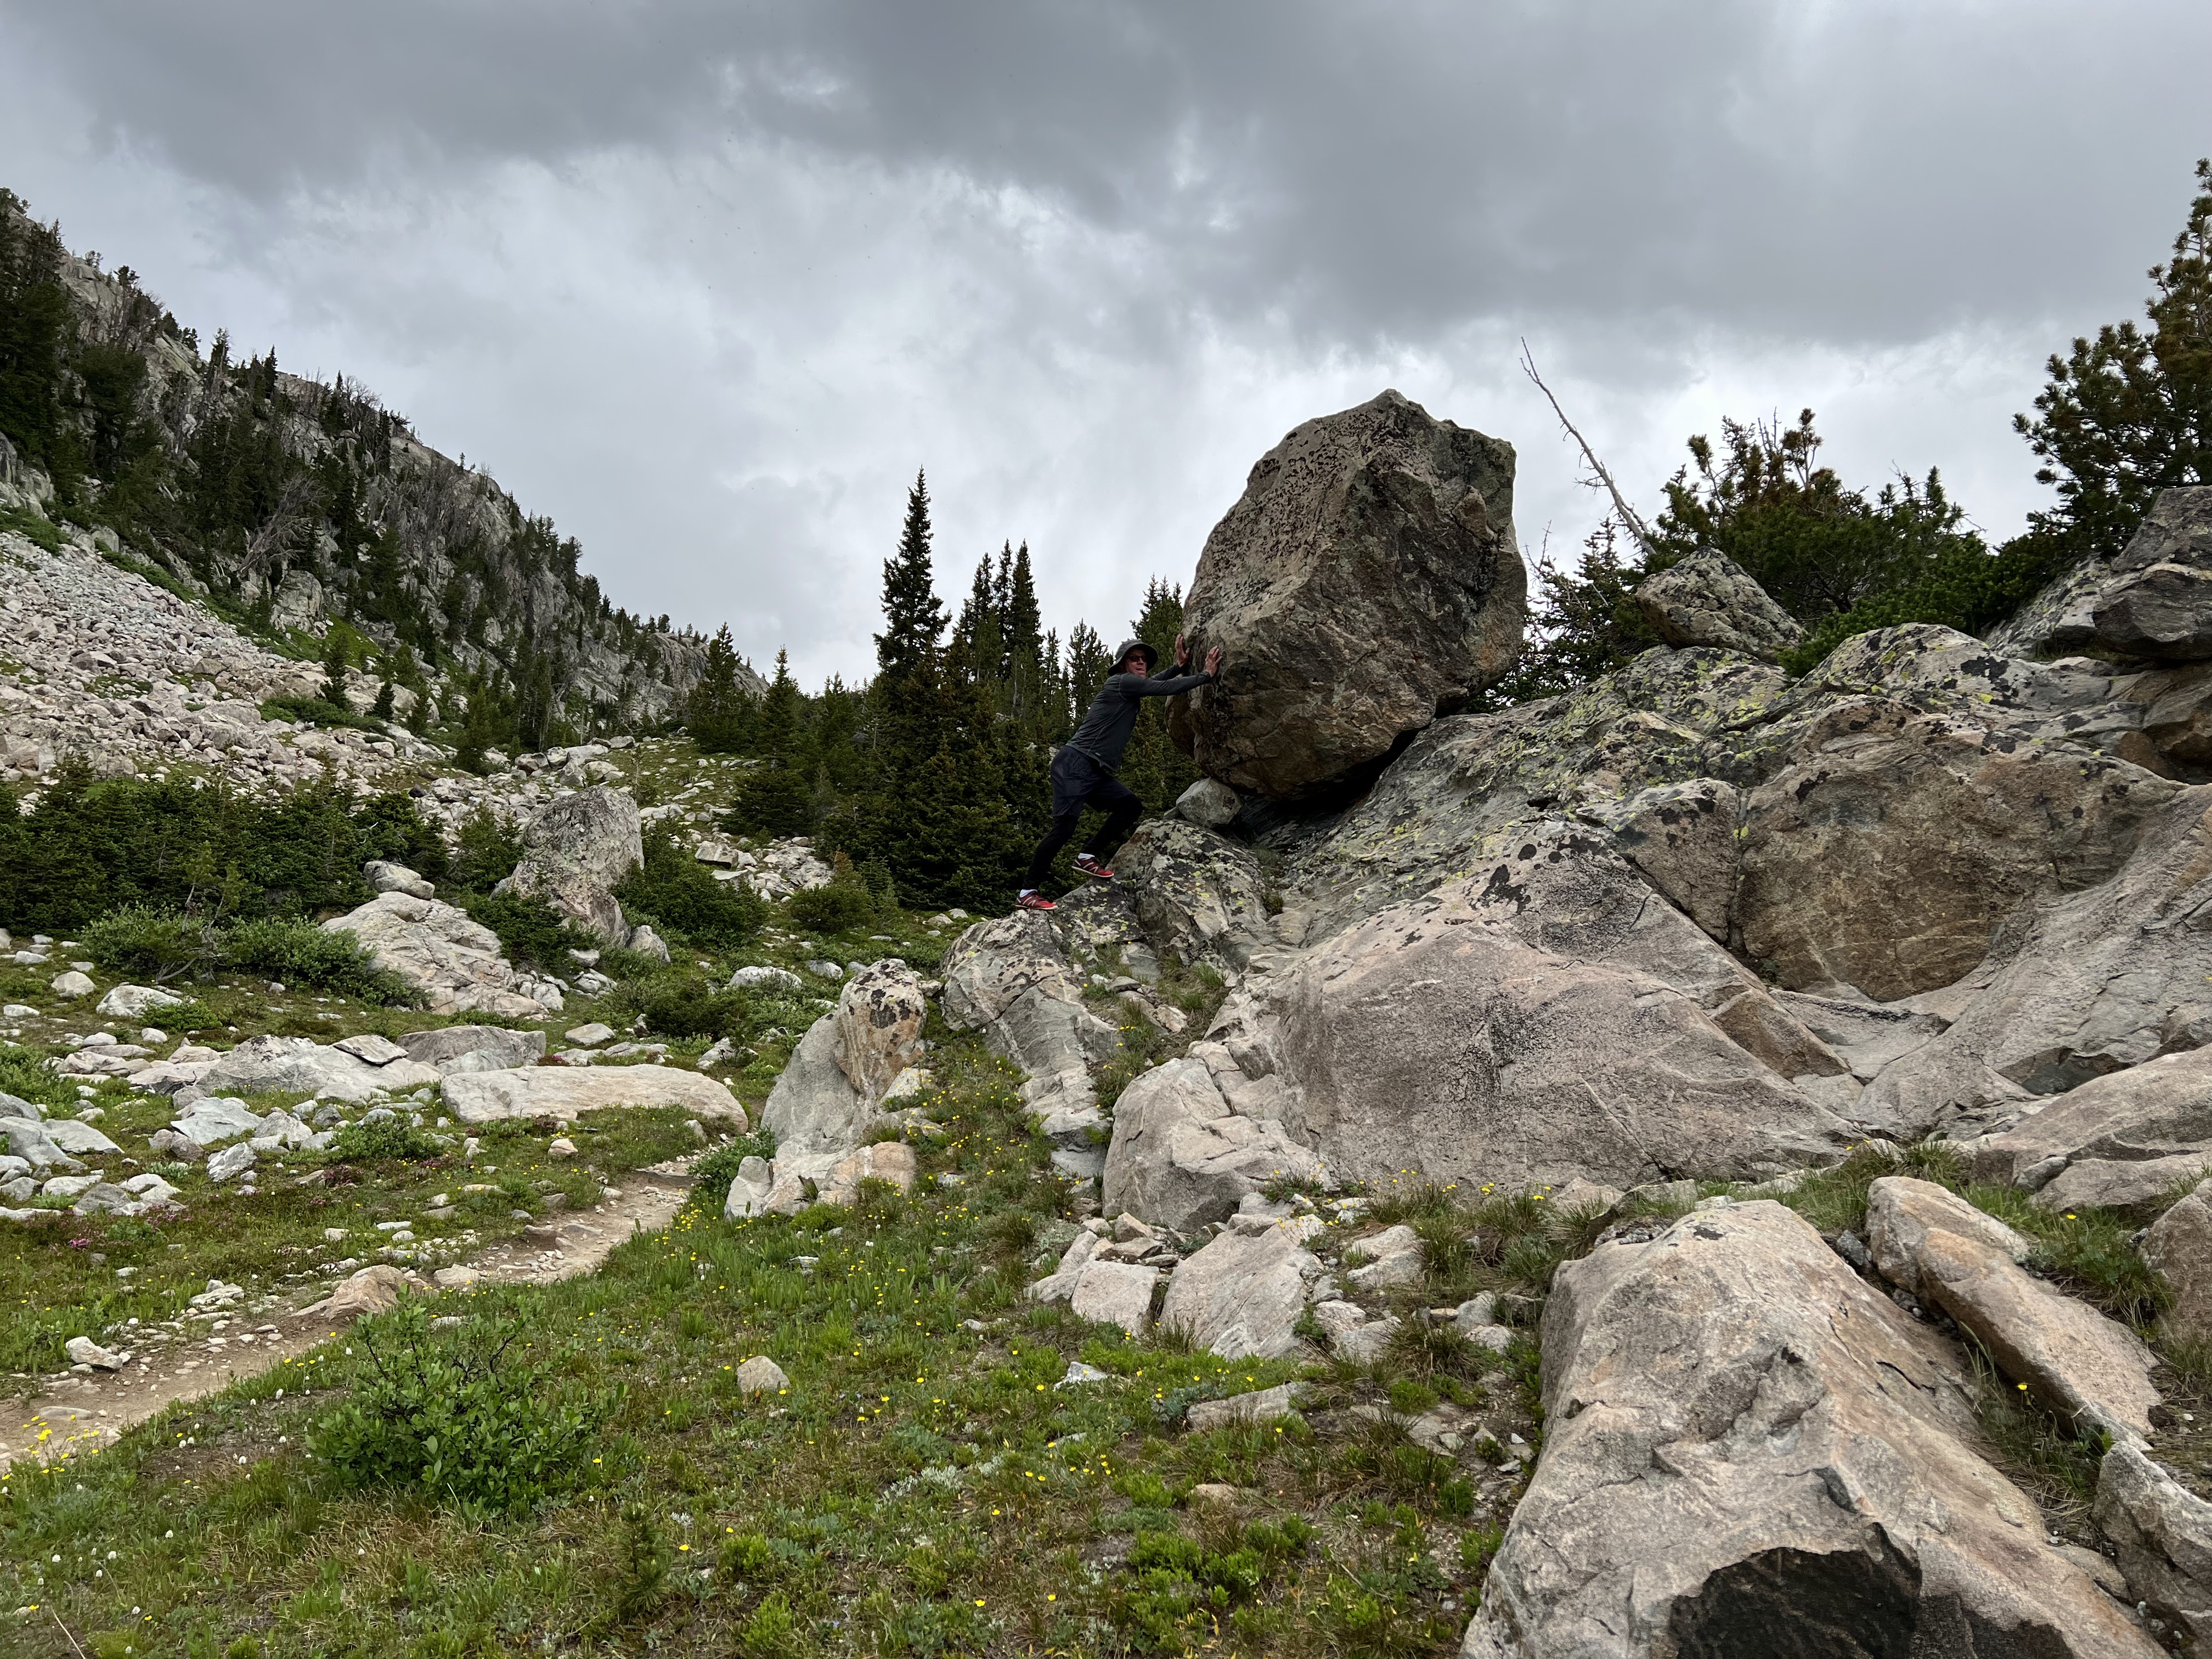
{"points": [[1619, 502]]}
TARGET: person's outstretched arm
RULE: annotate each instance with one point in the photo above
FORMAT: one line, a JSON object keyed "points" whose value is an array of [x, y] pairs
{"points": [[1179, 683]]}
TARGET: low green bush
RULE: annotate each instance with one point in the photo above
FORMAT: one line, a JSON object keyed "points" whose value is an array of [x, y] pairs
{"points": [[301, 953], [675, 893], [317, 711], [712, 1175], [156, 946], [846, 904], [392, 1138], [458, 1417], [531, 931]]}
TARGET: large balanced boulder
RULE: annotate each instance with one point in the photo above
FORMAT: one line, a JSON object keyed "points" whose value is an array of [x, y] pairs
{"points": [[1708, 598], [454, 965], [1367, 578], [574, 853], [1745, 1443]]}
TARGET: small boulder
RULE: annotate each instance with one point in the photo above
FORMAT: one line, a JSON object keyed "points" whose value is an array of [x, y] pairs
{"points": [[136, 1001], [1115, 1293], [1261, 1406], [1181, 1157], [72, 984], [592, 1035], [1210, 804], [387, 878], [374, 1289], [1708, 598], [83, 1351], [760, 977], [2162, 1532], [2179, 1247], [761, 1374], [233, 1160], [371, 1048], [451, 1044], [1241, 1297]]}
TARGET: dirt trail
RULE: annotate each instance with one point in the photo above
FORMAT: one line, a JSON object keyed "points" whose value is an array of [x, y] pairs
{"points": [[78, 1414]]}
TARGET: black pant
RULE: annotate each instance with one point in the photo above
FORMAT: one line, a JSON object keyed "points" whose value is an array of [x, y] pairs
{"points": [[1079, 781]]}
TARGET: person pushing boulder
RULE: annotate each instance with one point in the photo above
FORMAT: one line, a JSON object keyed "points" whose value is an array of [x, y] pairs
{"points": [[1083, 770]]}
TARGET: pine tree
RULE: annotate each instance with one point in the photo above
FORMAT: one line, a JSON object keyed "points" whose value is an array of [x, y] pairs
{"points": [[778, 793], [2129, 413], [716, 713], [1020, 623], [1153, 766], [335, 664], [913, 619], [1086, 673]]}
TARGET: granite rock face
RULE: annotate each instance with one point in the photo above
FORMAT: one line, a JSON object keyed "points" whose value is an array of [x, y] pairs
{"points": [[1367, 579], [1744, 1438], [454, 963]]}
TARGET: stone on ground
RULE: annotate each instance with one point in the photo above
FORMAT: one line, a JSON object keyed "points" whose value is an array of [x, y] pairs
{"points": [[444, 1047], [1209, 804], [374, 1289], [2163, 1535], [136, 1001], [761, 1374], [563, 1093], [2075, 1361], [1241, 1297], [2179, 1246], [1181, 1157]]}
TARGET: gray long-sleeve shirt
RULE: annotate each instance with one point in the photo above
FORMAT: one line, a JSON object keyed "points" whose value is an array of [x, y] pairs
{"points": [[1105, 730]]}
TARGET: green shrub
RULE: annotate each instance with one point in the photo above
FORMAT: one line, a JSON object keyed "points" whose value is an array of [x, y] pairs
{"points": [[386, 1138], [772, 1632], [690, 1007], [95, 845], [843, 906], [154, 946], [454, 1417], [24, 1075], [531, 931], [317, 711], [301, 953], [674, 892]]}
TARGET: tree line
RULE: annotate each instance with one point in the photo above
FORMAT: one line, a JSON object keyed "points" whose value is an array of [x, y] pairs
{"points": [[933, 779]]}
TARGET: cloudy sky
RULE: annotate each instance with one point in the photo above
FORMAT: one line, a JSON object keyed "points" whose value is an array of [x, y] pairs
{"points": [[708, 280]]}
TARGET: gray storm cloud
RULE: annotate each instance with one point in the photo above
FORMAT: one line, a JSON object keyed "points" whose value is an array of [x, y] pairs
{"points": [[708, 281]]}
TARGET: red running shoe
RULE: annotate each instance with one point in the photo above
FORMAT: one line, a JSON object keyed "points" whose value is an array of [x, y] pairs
{"points": [[1087, 865], [1034, 902]]}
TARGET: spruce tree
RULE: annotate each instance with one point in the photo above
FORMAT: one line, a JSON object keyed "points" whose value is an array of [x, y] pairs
{"points": [[1153, 766], [777, 796], [913, 619], [715, 712], [1021, 626]]}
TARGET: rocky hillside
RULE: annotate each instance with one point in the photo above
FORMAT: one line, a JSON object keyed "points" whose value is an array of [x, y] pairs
{"points": [[288, 503], [1717, 1163]]}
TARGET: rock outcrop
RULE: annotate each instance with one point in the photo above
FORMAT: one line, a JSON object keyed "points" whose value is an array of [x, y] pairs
{"points": [[1367, 578], [300, 1065], [829, 1095], [1744, 1438], [1708, 598]]}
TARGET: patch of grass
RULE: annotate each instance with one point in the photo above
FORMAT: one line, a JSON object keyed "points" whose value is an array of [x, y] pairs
{"points": [[2087, 1253], [923, 1486], [1835, 1199], [2057, 1467]]}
